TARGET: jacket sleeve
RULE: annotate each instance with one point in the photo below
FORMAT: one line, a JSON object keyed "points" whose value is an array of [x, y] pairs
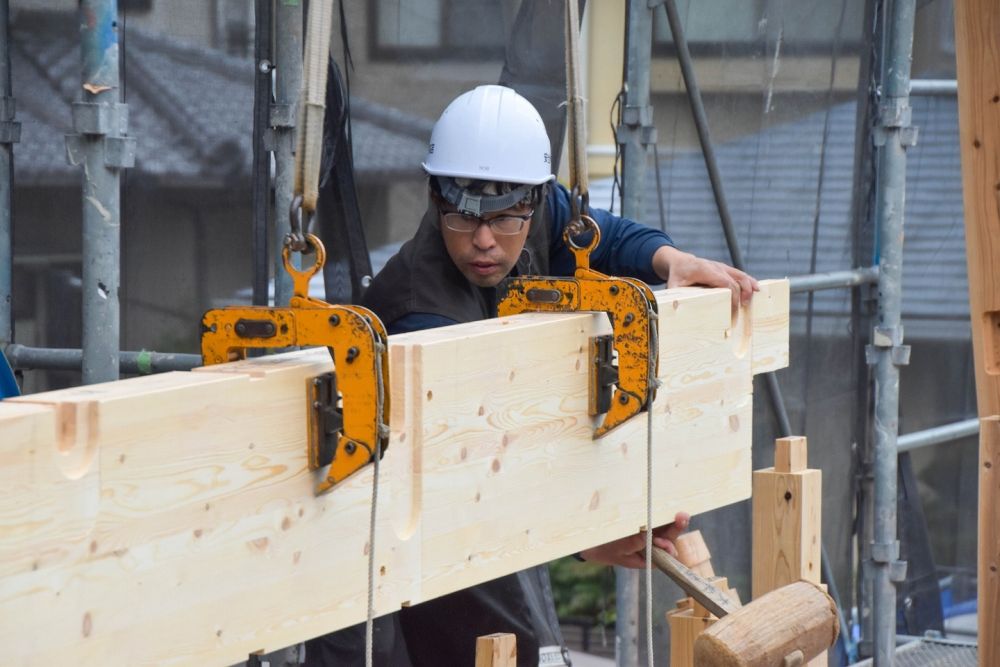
{"points": [[626, 247], [418, 322]]}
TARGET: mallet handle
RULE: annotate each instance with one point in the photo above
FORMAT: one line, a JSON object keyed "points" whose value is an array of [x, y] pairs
{"points": [[693, 584]]}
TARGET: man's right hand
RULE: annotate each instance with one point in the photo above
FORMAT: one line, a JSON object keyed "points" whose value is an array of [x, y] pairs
{"points": [[628, 551]]}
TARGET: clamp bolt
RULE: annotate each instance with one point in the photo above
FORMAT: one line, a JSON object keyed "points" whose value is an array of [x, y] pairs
{"points": [[350, 448], [352, 354], [622, 398], [629, 318], [334, 320], [241, 328], [614, 289]]}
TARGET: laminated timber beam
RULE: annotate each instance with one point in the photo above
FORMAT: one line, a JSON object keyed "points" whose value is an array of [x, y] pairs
{"points": [[172, 519], [977, 55]]}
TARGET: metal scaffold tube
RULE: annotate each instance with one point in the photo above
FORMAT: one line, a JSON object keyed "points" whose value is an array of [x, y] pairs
{"points": [[287, 83], [9, 134], [102, 148], [934, 87], [142, 362], [834, 279], [937, 435], [893, 134], [635, 135]]}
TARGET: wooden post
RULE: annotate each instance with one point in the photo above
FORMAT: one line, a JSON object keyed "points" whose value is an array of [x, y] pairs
{"points": [[693, 552], [787, 521], [496, 650], [684, 629], [977, 24], [690, 619]]}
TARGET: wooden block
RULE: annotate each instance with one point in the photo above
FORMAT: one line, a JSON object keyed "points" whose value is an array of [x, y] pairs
{"points": [[787, 522], [692, 552], [786, 528], [685, 627], [497, 650], [790, 454], [192, 489], [770, 308]]}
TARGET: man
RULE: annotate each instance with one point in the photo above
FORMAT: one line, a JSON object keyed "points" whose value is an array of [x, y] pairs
{"points": [[494, 211]]}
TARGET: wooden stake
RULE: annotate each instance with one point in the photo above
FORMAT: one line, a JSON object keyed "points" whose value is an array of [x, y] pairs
{"points": [[693, 552], [977, 24], [787, 521], [685, 627], [496, 650]]}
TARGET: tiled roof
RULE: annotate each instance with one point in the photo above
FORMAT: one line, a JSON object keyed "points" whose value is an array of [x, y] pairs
{"points": [[190, 109], [771, 180]]}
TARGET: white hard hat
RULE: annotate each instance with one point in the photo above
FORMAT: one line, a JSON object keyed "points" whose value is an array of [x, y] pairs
{"points": [[491, 134]]}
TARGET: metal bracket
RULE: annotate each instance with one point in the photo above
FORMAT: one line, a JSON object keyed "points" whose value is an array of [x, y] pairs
{"points": [[646, 134], [326, 420], [352, 415], [891, 339], [907, 135], [888, 554], [282, 115], [636, 119], [92, 120], [628, 303], [96, 118], [603, 374], [894, 112], [894, 119], [119, 152], [10, 131], [885, 552]]}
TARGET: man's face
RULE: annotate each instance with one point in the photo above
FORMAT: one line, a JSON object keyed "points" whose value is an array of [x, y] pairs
{"points": [[483, 254]]}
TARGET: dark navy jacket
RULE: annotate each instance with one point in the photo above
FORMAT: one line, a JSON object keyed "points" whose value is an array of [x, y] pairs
{"points": [[626, 249]]}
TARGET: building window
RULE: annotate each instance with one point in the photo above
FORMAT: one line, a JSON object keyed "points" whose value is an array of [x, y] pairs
{"points": [[735, 27], [440, 29]]}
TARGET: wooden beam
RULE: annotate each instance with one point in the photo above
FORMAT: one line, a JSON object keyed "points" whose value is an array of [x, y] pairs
{"points": [[787, 522], [977, 24], [496, 650], [172, 519]]}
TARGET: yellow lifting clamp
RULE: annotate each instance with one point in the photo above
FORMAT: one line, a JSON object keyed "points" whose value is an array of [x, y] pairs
{"points": [[344, 438], [630, 305]]}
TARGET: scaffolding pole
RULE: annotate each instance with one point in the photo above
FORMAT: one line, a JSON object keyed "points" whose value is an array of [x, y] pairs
{"points": [[143, 362], [814, 282], [938, 435], [635, 135], [287, 83], [101, 146], [893, 134], [10, 133]]}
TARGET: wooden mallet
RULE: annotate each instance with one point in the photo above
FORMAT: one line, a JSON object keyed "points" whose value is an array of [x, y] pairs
{"points": [[787, 627]]}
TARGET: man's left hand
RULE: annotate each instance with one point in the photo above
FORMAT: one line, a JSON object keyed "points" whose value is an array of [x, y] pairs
{"points": [[628, 551], [682, 269]]}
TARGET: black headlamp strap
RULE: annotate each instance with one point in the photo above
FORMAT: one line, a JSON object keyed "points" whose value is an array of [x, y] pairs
{"points": [[477, 204]]}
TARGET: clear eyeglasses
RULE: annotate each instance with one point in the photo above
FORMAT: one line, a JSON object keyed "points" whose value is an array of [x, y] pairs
{"points": [[506, 225]]}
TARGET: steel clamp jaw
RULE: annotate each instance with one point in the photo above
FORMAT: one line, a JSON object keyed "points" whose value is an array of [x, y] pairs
{"points": [[629, 304], [358, 344]]}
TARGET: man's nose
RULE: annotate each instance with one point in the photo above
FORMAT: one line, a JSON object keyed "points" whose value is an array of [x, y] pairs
{"points": [[483, 237]]}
